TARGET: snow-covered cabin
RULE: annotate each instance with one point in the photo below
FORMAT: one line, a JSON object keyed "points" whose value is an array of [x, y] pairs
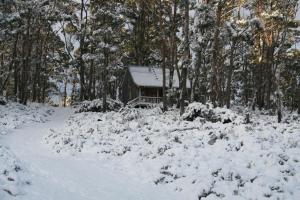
{"points": [[145, 83]]}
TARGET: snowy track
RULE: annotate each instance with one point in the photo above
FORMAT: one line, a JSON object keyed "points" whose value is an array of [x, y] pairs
{"points": [[57, 177]]}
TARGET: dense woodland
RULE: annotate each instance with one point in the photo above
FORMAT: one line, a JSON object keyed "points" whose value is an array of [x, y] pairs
{"points": [[234, 52]]}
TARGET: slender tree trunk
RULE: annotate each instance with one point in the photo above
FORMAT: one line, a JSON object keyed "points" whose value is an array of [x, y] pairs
{"points": [[81, 63], [298, 99], [164, 81], [229, 75], [104, 92], [104, 79], [91, 75], [173, 45], [65, 91], [163, 55], [216, 56], [186, 57], [38, 52], [73, 95], [1, 68], [11, 65], [278, 94], [44, 89], [260, 83], [16, 79], [94, 87], [269, 74], [196, 79], [25, 65]]}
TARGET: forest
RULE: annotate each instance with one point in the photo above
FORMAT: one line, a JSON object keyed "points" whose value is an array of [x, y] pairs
{"points": [[232, 52]]}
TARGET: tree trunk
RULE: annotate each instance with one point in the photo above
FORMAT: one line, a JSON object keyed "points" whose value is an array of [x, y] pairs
{"points": [[163, 55], [25, 65], [173, 45], [104, 79], [44, 89], [91, 75], [216, 56], [278, 94], [269, 74], [229, 75], [298, 99], [65, 91], [1, 68], [104, 92], [81, 63], [196, 78], [186, 57], [39, 54]]}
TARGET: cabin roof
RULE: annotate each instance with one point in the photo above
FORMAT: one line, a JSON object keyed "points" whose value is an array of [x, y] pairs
{"points": [[152, 76]]}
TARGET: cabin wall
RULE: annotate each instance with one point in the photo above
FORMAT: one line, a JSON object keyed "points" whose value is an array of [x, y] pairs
{"points": [[129, 90], [133, 91], [151, 92]]}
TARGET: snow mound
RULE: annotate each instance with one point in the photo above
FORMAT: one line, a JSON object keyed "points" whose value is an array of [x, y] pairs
{"points": [[209, 113], [201, 159], [13, 115], [13, 178], [97, 105]]}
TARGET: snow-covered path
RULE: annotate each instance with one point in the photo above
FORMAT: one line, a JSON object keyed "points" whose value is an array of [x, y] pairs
{"points": [[58, 177]]}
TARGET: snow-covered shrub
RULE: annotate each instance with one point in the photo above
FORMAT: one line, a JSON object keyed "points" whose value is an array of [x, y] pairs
{"points": [[209, 113], [213, 160], [97, 106], [129, 114], [2, 101], [13, 114], [12, 176]]}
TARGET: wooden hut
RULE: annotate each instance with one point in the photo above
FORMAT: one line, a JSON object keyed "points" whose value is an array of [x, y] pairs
{"points": [[144, 85]]}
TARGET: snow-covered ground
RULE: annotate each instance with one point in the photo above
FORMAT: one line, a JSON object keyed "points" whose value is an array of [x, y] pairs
{"points": [[52, 153], [14, 178], [29, 170], [197, 159]]}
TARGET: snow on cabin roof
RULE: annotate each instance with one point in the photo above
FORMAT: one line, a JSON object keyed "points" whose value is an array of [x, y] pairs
{"points": [[152, 76]]}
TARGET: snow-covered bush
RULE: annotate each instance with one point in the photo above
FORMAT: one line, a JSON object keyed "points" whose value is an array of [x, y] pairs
{"points": [[2, 101], [209, 113], [12, 176], [97, 106], [129, 114], [212, 160], [13, 114]]}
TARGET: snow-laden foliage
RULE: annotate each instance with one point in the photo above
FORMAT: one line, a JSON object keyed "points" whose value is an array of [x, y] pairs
{"points": [[3, 101], [13, 177], [208, 113], [199, 159], [13, 115], [130, 114], [97, 105]]}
